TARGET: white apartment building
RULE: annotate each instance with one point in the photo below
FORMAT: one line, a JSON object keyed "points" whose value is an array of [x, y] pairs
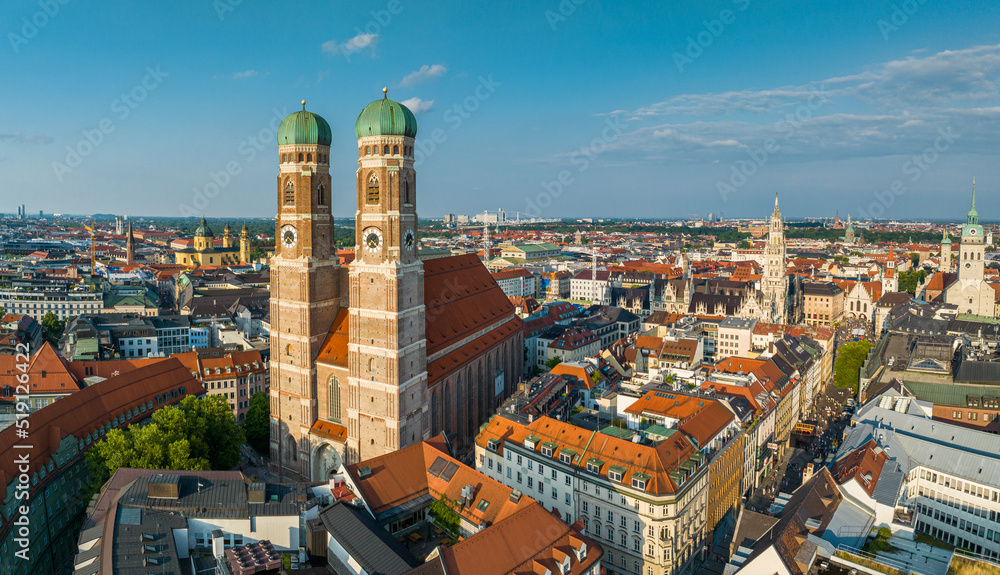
{"points": [[735, 337], [65, 304], [587, 285], [646, 504], [516, 282]]}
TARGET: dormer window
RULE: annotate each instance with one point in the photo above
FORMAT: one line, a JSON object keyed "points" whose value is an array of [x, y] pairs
{"points": [[640, 481], [566, 455], [492, 444], [548, 448], [530, 442], [615, 473], [594, 465]]}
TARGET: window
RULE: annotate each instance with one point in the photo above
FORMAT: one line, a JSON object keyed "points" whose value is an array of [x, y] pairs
{"points": [[321, 195], [373, 190], [333, 399], [289, 193], [406, 191], [395, 150], [518, 476]]}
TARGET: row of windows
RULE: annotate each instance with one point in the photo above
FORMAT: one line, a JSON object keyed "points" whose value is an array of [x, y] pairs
{"points": [[960, 486], [320, 158], [974, 416], [373, 150]]}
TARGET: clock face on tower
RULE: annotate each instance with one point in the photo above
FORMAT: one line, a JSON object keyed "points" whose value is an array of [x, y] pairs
{"points": [[968, 265], [289, 236], [408, 239], [373, 239]]}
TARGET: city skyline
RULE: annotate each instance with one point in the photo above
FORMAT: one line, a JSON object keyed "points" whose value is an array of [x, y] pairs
{"points": [[543, 121]]}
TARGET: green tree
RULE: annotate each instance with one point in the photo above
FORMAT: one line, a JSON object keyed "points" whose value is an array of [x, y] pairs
{"points": [[196, 434], [850, 357], [257, 424], [553, 361], [908, 281], [915, 259], [52, 327], [744, 245], [841, 259]]}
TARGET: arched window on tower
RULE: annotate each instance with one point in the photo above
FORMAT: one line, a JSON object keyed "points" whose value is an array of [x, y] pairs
{"points": [[289, 193], [300, 157], [309, 157], [395, 150], [386, 151], [293, 449], [373, 191], [368, 150], [333, 399], [321, 195], [406, 191]]}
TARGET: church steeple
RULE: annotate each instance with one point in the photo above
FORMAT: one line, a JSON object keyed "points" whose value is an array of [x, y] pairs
{"points": [[973, 214]]}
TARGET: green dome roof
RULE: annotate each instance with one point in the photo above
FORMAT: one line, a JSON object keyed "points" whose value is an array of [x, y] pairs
{"points": [[304, 128], [203, 230], [386, 117]]}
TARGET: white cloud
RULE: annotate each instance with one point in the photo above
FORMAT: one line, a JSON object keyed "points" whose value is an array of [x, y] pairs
{"points": [[418, 106], [895, 108], [22, 138], [423, 74], [244, 74], [355, 44]]}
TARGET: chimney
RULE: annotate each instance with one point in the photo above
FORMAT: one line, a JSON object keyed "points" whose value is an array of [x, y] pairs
{"points": [[218, 543]]}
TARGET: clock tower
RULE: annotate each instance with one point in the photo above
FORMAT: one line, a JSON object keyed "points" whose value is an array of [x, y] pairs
{"points": [[973, 246], [304, 285], [388, 399]]}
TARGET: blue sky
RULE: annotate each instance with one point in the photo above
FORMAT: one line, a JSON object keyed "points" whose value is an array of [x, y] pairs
{"points": [[575, 108]]}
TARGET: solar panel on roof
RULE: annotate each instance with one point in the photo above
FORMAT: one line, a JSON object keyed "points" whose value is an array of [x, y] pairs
{"points": [[449, 471], [437, 467]]}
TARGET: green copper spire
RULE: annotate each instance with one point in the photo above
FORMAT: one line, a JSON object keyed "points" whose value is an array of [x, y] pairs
{"points": [[973, 214]]}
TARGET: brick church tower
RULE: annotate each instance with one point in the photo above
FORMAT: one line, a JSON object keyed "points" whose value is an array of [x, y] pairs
{"points": [[305, 295], [388, 399]]}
